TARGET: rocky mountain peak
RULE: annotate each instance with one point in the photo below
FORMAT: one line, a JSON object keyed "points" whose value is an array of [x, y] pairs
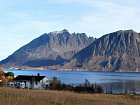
{"points": [[65, 31], [116, 51], [62, 32], [49, 49], [119, 50]]}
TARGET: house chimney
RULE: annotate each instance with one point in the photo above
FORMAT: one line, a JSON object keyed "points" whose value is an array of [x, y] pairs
{"points": [[38, 74]]}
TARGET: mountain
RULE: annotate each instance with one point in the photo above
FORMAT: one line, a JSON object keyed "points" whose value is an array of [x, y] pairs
{"points": [[117, 51], [49, 49]]}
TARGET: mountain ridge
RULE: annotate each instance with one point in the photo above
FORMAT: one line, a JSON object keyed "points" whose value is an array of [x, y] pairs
{"points": [[49, 49], [117, 51]]}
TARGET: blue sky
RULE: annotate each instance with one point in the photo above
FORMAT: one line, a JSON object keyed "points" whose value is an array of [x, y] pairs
{"points": [[23, 20]]}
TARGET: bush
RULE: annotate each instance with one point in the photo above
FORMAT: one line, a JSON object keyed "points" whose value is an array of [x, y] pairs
{"points": [[56, 84]]}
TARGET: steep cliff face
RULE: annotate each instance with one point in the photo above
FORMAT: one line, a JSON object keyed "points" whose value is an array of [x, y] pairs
{"points": [[118, 51], [49, 49]]}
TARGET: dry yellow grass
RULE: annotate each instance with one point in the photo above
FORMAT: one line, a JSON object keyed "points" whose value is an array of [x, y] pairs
{"points": [[12, 96]]}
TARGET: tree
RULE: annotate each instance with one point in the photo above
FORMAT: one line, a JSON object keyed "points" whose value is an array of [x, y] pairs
{"points": [[3, 78], [6, 77], [10, 74], [1, 69], [2, 75], [55, 83], [87, 83]]}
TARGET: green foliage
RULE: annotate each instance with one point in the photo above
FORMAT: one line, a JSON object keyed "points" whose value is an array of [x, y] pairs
{"points": [[55, 83], [9, 74], [6, 77], [87, 87], [33, 79], [1, 69]]}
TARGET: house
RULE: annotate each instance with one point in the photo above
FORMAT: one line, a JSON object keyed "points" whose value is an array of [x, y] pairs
{"points": [[30, 82]]}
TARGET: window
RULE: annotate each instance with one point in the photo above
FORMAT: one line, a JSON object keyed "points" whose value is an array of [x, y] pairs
{"points": [[36, 83]]}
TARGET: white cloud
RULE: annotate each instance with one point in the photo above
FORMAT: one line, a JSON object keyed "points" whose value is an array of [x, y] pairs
{"points": [[109, 16]]}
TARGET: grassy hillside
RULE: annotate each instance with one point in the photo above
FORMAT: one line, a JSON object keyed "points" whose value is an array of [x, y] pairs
{"points": [[11, 96]]}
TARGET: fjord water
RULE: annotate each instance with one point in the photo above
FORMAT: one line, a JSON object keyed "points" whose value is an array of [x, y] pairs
{"points": [[117, 80], [78, 77]]}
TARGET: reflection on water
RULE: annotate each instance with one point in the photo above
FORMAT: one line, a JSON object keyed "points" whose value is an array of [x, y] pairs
{"points": [[125, 87], [114, 82]]}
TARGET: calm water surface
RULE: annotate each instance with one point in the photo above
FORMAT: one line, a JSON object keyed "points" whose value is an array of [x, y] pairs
{"points": [[111, 82], [78, 77]]}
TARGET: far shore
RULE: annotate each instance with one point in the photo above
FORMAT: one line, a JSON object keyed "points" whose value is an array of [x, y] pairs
{"points": [[69, 69]]}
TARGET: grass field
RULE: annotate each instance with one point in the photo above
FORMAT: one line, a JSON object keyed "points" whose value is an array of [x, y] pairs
{"points": [[12, 96]]}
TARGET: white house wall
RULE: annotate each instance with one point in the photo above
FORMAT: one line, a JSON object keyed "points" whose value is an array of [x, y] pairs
{"points": [[37, 86], [45, 81], [28, 84], [40, 84]]}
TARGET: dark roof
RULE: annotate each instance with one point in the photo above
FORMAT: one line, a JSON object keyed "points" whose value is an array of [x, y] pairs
{"points": [[25, 77]]}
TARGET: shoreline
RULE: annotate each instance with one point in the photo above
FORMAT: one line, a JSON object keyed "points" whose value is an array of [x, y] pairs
{"points": [[78, 70]]}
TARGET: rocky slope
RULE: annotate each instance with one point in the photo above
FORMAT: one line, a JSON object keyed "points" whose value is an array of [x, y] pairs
{"points": [[49, 49], [117, 51]]}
